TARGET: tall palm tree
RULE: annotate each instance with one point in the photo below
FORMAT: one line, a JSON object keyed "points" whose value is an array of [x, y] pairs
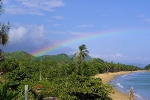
{"points": [[82, 53], [3, 33], [3, 38]]}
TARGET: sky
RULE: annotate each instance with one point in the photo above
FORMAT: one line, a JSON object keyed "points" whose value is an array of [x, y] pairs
{"points": [[113, 30]]}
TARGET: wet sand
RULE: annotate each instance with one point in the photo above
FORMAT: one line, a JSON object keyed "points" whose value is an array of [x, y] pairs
{"points": [[107, 77]]}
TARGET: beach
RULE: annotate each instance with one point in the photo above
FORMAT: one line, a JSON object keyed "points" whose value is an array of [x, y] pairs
{"points": [[107, 77]]}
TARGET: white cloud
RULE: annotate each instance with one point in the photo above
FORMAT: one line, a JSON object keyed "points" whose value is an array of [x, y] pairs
{"points": [[103, 15], [57, 17], [26, 34], [56, 25], [17, 34], [85, 26], [70, 33], [47, 5], [32, 6], [104, 26], [121, 58], [112, 57], [141, 15], [76, 33], [147, 20], [31, 38], [144, 17]]}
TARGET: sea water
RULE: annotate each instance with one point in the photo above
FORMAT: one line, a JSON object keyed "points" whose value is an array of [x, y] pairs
{"points": [[140, 81]]}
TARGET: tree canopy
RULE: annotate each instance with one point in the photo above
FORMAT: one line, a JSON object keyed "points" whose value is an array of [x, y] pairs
{"points": [[57, 76], [3, 33]]}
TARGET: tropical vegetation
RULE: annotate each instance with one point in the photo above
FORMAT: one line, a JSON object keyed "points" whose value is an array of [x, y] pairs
{"points": [[57, 76], [147, 67], [3, 33]]}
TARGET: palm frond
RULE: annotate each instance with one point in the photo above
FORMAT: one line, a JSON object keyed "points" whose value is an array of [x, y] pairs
{"points": [[5, 39]]}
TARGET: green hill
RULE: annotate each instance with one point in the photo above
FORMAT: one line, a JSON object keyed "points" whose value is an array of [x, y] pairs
{"points": [[59, 57], [20, 55], [87, 58]]}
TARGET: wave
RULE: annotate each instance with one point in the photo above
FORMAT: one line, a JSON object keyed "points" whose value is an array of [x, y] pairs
{"points": [[118, 84], [123, 75], [139, 97], [127, 74]]}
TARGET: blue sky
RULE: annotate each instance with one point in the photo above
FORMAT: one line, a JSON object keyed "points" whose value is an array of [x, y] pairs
{"points": [[36, 24]]}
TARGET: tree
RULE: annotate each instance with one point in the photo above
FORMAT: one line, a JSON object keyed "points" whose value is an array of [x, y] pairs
{"points": [[7, 94], [147, 67], [82, 53], [9, 65], [3, 33], [80, 56]]}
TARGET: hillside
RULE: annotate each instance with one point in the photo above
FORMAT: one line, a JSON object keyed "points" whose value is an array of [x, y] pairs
{"points": [[87, 58], [22, 55], [58, 57]]}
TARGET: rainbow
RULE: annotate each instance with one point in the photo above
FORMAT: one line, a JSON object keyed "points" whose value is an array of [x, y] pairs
{"points": [[68, 42]]}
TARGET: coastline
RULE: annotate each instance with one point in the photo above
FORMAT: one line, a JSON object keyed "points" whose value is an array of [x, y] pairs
{"points": [[107, 77]]}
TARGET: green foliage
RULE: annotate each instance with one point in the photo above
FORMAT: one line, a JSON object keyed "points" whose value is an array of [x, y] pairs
{"points": [[7, 94], [81, 54], [19, 55], [16, 77], [9, 65], [76, 87], [98, 64], [147, 67], [63, 78], [59, 57], [3, 33]]}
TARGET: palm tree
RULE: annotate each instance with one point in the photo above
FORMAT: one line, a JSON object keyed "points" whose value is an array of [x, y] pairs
{"points": [[3, 33], [82, 53], [80, 56], [7, 94], [3, 38]]}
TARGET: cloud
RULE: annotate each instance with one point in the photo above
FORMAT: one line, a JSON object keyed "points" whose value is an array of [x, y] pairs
{"points": [[25, 33], [144, 17], [31, 38], [85, 26], [28, 38], [57, 17], [56, 25], [117, 57], [17, 34], [31, 6], [76, 33], [70, 33], [147, 20], [103, 15], [104, 26]]}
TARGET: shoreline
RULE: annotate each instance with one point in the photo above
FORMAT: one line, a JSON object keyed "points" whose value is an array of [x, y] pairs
{"points": [[108, 77]]}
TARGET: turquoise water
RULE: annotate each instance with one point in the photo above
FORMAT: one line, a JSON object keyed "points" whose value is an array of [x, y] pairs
{"points": [[140, 81]]}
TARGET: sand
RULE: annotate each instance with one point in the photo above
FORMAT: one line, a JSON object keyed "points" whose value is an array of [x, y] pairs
{"points": [[107, 77]]}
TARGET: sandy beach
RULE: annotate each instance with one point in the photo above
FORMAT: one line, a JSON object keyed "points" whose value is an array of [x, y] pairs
{"points": [[107, 77]]}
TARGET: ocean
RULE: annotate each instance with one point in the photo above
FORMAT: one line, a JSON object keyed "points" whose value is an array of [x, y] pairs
{"points": [[140, 81]]}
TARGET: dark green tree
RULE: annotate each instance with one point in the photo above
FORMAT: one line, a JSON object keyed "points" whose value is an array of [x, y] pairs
{"points": [[7, 94], [82, 53], [3, 33], [147, 67], [9, 65], [80, 56]]}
